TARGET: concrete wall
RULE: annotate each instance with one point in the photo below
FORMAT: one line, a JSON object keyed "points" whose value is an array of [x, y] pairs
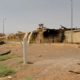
{"points": [[76, 36]]}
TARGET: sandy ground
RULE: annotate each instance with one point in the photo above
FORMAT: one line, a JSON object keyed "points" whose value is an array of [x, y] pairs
{"points": [[50, 62]]}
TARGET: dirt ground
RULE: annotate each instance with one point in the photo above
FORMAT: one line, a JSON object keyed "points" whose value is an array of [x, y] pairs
{"points": [[50, 61]]}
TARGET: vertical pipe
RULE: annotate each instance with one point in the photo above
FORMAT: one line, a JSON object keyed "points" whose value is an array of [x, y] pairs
{"points": [[71, 21], [3, 25], [25, 53], [26, 41]]}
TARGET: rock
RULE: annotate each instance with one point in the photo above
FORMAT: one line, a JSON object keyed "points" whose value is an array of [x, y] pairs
{"points": [[10, 77], [40, 55]]}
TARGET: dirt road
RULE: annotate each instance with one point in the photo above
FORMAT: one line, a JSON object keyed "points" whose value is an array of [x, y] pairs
{"points": [[50, 62]]}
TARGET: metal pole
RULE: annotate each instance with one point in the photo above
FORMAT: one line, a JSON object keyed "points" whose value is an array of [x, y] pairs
{"points": [[26, 41], [3, 25], [25, 44], [71, 21]]}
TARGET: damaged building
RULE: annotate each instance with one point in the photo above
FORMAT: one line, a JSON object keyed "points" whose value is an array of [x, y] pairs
{"points": [[45, 35], [62, 35]]}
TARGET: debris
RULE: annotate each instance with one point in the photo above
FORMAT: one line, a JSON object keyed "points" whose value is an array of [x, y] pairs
{"points": [[10, 77], [29, 62], [76, 72], [40, 56], [5, 53], [78, 63], [2, 42]]}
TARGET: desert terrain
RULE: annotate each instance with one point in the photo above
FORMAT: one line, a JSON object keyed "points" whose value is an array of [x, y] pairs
{"points": [[57, 61]]}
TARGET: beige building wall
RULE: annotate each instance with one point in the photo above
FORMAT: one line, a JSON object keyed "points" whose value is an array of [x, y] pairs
{"points": [[76, 36]]}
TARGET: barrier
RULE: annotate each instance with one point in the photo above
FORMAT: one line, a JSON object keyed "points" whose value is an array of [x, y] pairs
{"points": [[26, 41]]}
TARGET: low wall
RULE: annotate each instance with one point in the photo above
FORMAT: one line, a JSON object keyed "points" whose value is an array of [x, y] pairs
{"points": [[75, 36]]}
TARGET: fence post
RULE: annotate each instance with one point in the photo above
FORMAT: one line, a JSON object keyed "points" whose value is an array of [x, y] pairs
{"points": [[26, 41], [25, 45]]}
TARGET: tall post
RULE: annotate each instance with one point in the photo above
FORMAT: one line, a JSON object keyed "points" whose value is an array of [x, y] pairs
{"points": [[71, 21], [25, 45], [3, 25], [26, 41]]}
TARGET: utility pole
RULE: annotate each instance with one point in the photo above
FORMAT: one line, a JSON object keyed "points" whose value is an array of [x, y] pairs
{"points": [[4, 25], [71, 21]]}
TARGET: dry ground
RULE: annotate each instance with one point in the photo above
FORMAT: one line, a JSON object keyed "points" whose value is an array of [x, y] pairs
{"points": [[50, 61]]}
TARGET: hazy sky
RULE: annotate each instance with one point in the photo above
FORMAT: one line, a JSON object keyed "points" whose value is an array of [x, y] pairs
{"points": [[25, 15]]}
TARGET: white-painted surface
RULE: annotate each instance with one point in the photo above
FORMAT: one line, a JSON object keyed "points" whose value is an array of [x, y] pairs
{"points": [[25, 53]]}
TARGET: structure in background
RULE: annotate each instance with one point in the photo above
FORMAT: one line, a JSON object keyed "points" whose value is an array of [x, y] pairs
{"points": [[46, 35], [16, 37], [2, 38], [76, 36]]}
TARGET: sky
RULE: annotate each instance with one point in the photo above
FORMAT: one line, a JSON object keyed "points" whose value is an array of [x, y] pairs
{"points": [[25, 15]]}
